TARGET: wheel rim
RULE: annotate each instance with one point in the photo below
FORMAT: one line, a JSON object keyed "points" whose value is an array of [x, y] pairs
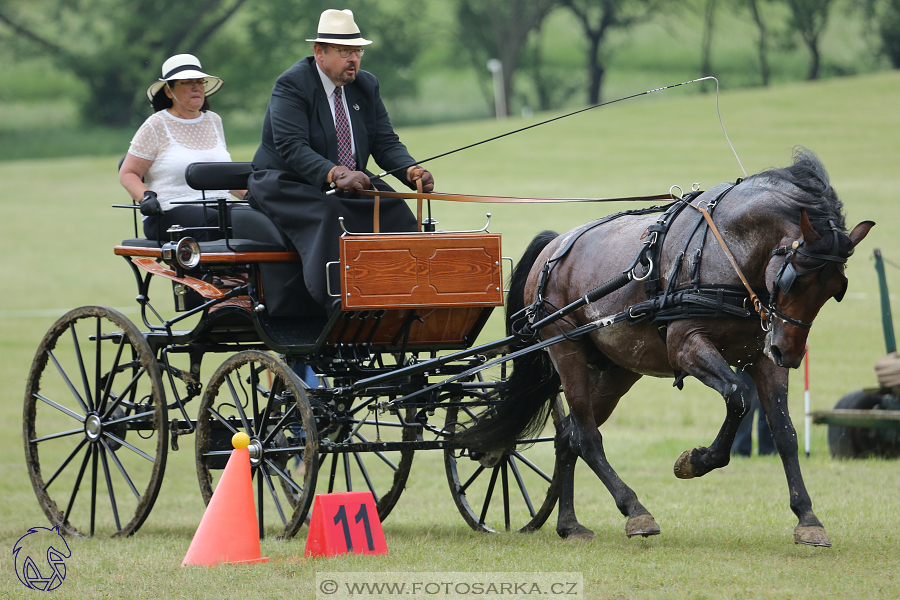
{"points": [[513, 492], [95, 424], [256, 393]]}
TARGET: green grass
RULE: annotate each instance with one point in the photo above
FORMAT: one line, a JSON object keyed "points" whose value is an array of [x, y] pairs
{"points": [[727, 535]]}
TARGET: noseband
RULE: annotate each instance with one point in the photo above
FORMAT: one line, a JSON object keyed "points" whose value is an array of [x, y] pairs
{"points": [[789, 273]]}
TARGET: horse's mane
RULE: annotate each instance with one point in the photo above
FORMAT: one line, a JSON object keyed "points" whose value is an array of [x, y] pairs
{"points": [[804, 185]]}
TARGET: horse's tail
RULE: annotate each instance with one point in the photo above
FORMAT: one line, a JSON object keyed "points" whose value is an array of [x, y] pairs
{"points": [[523, 400]]}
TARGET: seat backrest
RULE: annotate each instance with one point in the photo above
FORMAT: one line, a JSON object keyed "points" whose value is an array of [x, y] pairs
{"points": [[218, 175]]}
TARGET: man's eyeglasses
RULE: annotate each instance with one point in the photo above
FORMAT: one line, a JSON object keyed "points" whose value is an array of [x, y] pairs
{"points": [[191, 82], [346, 52]]}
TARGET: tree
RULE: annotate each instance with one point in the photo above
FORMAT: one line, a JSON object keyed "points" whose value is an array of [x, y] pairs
{"points": [[808, 18], [598, 18], [762, 42], [883, 17], [115, 47], [499, 29]]}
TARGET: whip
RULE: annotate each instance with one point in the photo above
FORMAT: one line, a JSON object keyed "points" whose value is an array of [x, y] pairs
{"points": [[581, 110]]}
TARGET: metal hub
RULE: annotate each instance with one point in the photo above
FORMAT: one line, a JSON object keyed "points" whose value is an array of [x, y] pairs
{"points": [[256, 451], [93, 426]]}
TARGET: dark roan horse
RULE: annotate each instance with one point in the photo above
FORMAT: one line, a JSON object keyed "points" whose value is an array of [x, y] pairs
{"points": [[690, 315]]}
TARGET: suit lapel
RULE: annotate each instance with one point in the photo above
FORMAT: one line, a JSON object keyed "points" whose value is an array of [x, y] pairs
{"points": [[323, 114], [360, 136]]}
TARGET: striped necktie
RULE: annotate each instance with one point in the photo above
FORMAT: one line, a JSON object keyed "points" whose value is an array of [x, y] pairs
{"points": [[342, 126]]}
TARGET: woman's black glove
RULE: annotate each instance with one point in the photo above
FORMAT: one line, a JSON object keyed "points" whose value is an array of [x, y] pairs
{"points": [[150, 205]]}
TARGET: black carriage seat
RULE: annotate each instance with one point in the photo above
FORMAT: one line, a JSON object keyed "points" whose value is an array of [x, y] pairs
{"points": [[285, 290]]}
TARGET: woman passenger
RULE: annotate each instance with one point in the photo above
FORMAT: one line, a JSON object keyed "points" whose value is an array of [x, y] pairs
{"points": [[181, 131]]}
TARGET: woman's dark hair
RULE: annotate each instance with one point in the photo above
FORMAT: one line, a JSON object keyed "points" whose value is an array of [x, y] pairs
{"points": [[161, 101]]}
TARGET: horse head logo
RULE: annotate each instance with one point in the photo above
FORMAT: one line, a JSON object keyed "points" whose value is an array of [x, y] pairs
{"points": [[41, 542]]}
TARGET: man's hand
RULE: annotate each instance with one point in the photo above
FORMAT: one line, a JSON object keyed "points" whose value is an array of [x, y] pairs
{"points": [[150, 205], [349, 180], [416, 172]]}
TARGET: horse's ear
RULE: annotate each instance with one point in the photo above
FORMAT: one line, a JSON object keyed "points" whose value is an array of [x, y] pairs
{"points": [[860, 231], [810, 235]]}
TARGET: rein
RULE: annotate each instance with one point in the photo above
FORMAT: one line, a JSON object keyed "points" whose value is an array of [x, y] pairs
{"points": [[505, 199]]}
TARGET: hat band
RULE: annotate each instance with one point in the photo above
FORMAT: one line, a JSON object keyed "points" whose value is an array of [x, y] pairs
{"points": [[177, 70], [340, 36]]}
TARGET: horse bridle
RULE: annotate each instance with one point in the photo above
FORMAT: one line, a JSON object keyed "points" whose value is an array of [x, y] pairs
{"points": [[788, 273]]}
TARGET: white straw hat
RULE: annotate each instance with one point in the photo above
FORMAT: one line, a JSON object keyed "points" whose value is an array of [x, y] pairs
{"points": [[184, 66], [338, 27]]}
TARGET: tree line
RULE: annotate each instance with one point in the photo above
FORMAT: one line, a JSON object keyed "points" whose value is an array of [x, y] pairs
{"points": [[117, 47]]}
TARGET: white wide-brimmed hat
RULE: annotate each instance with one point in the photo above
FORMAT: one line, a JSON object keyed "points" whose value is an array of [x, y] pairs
{"points": [[338, 27], [184, 66]]}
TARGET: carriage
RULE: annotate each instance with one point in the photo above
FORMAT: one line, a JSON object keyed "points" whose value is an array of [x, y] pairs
{"points": [[106, 400], [341, 399]]}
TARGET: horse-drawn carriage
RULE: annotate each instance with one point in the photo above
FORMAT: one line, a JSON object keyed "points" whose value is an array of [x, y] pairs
{"points": [[106, 400], [650, 291]]}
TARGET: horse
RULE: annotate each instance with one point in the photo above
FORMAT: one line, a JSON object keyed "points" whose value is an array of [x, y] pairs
{"points": [[696, 314]]}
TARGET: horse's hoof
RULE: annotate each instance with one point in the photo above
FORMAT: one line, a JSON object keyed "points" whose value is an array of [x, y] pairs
{"points": [[642, 525], [578, 533], [811, 536], [683, 468]]}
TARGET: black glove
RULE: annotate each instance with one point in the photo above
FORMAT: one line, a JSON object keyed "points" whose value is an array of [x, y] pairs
{"points": [[150, 205]]}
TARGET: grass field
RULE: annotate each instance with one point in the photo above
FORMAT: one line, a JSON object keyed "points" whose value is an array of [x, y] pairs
{"points": [[727, 535]]}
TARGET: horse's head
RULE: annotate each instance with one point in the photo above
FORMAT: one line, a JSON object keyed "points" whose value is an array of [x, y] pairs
{"points": [[802, 275]]}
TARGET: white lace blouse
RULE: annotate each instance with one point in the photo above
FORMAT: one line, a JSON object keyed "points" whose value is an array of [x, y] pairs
{"points": [[172, 144]]}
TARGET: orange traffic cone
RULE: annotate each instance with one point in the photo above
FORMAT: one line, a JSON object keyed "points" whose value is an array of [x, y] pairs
{"points": [[228, 532]]}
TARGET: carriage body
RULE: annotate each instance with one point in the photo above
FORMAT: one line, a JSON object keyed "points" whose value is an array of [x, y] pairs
{"points": [[410, 308]]}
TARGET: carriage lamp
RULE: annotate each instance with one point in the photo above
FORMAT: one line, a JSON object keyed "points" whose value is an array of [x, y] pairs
{"points": [[182, 255]]}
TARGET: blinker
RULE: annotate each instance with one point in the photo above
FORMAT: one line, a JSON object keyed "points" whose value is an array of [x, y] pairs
{"points": [[786, 280]]}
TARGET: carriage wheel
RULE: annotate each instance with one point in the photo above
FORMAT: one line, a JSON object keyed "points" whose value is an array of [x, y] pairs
{"points": [[382, 471], [860, 442], [95, 424], [256, 393], [513, 492]]}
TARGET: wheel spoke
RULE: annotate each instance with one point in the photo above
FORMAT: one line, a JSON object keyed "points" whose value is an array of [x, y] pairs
{"points": [[471, 480], [133, 417], [504, 478], [66, 462], [518, 476], [284, 476], [378, 453], [488, 496], [237, 402], [365, 475], [60, 408], [93, 489], [101, 402], [346, 460], [222, 420], [332, 473], [533, 467], [137, 451], [87, 456], [84, 375], [109, 487], [271, 487], [54, 436], [121, 469], [279, 426], [119, 397]]}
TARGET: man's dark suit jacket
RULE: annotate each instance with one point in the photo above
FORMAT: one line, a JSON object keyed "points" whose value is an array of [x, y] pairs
{"points": [[299, 148], [299, 135]]}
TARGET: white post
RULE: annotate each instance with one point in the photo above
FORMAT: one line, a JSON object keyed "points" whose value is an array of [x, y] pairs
{"points": [[496, 68], [808, 421]]}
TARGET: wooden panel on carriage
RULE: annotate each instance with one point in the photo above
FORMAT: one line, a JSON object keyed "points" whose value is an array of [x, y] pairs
{"points": [[424, 270], [413, 327]]}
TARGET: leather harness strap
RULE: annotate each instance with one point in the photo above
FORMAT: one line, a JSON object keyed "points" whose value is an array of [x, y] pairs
{"points": [[757, 304], [505, 199]]}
